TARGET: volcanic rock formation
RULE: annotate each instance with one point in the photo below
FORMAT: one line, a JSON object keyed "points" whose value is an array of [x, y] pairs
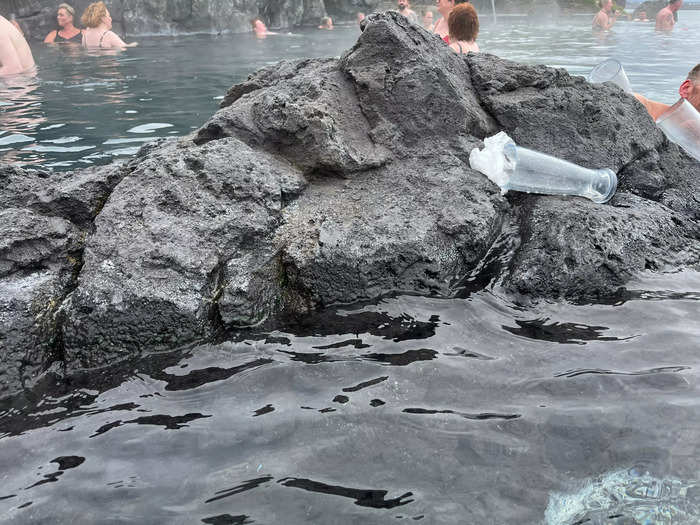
{"points": [[329, 181]]}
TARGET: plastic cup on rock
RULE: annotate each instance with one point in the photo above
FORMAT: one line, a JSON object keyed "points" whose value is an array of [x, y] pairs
{"points": [[535, 172], [681, 124], [610, 71]]}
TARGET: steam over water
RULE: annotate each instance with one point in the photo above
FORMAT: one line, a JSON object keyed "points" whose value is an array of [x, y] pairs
{"points": [[467, 410], [90, 108]]}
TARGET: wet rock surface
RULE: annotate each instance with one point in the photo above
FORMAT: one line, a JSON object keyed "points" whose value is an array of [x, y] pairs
{"points": [[330, 181]]}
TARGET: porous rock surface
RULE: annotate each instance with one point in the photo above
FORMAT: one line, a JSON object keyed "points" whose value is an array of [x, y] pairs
{"points": [[329, 181]]}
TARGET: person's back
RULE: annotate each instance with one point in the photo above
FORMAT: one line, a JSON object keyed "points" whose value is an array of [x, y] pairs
{"points": [[15, 54], [665, 19]]}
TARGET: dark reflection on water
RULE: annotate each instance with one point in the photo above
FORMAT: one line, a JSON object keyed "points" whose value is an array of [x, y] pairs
{"points": [[565, 333], [486, 415], [660, 370], [363, 497], [196, 378], [246, 485], [424, 404], [64, 463], [227, 519], [167, 422]]}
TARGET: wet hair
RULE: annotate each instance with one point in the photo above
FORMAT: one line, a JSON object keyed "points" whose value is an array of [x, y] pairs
{"points": [[673, 1], [694, 74], [93, 15], [68, 9], [463, 23]]}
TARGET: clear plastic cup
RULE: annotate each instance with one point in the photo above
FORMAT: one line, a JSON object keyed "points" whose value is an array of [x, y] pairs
{"points": [[535, 172], [681, 124], [610, 70]]}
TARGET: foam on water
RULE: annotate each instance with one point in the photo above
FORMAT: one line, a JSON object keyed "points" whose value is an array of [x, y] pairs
{"points": [[627, 494]]}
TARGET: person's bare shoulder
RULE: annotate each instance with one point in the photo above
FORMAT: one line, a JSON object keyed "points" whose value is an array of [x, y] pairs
{"points": [[51, 37]]}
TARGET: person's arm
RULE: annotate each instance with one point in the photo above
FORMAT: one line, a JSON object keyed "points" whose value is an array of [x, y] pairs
{"points": [[113, 40], [10, 63], [51, 37], [597, 22], [611, 20]]}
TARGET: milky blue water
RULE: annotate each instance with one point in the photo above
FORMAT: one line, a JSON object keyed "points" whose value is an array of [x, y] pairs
{"points": [[88, 108], [465, 410]]}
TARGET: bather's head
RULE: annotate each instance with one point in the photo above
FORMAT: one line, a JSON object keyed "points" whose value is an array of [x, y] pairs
{"points": [[463, 23], [258, 25], [675, 5], [95, 15], [690, 88], [64, 15]]}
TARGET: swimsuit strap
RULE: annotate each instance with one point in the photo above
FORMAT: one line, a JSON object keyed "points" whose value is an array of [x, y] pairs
{"points": [[460, 48], [102, 37]]}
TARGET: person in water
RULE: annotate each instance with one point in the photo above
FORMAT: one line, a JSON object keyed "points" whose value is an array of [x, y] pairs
{"points": [[259, 28], [689, 90], [463, 25], [326, 23], [641, 17], [665, 18], [405, 9], [428, 19], [444, 7], [360, 18], [98, 32], [66, 32], [606, 17], [15, 54]]}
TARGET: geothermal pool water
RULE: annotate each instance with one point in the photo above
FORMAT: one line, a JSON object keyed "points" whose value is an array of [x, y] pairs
{"points": [[90, 108], [473, 409]]}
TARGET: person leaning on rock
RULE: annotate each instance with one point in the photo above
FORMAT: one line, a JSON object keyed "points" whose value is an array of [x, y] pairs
{"points": [[605, 18], [689, 90], [15, 54], [665, 18]]}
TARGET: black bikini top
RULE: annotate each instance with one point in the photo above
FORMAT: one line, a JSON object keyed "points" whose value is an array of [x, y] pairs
{"points": [[74, 39]]}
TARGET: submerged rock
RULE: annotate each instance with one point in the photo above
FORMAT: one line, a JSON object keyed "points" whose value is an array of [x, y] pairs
{"points": [[330, 181]]}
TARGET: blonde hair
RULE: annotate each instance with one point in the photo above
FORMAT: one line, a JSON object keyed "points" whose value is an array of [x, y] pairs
{"points": [[93, 15], [68, 9]]}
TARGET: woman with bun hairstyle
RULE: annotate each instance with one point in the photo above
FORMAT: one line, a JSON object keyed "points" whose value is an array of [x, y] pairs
{"points": [[98, 28]]}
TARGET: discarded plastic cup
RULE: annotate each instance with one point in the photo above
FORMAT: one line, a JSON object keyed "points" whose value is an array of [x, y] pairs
{"points": [[535, 172], [681, 124], [610, 70], [511, 167]]}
